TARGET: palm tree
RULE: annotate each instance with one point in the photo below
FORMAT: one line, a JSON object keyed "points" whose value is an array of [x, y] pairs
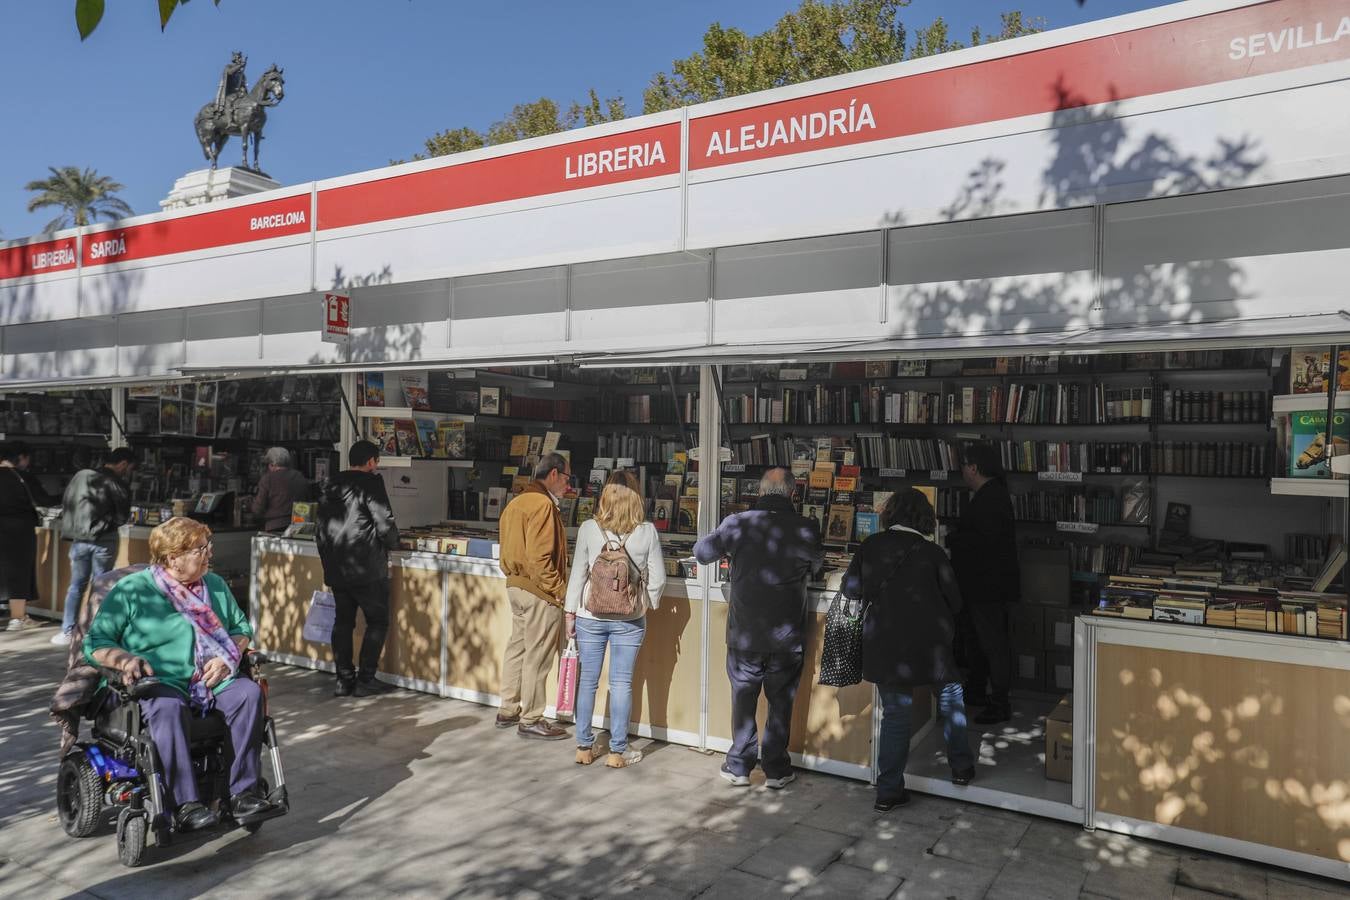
{"points": [[84, 196]]}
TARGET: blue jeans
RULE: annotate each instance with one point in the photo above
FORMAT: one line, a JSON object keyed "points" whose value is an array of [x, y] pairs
{"points": [[624, 639], [893, 752], [88, 560]]}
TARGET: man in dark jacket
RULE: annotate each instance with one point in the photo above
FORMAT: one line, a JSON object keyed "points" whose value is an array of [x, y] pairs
{"points": [[97, 503], [356, 531], [773, 553], [984, 555]]}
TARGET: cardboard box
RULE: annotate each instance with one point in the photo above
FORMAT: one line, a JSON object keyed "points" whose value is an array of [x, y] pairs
{"points": [[1058, 629], [1026, 626], [1059, 741], [1029, 670], [1058, 670]]}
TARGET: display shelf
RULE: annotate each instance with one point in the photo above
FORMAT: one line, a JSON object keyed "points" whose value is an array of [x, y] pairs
{"points": [[404, 412], [1311, 487], [405, 462], [1287, 403]]}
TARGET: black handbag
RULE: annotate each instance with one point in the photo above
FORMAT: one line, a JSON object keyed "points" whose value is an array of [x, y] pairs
{"points": [[841, 654]]}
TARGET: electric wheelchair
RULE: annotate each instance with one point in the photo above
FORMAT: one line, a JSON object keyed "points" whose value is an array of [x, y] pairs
{"points": [[118, 769]]}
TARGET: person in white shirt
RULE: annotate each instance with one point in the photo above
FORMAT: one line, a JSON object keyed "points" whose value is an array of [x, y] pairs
{"points": [[618, 518]]}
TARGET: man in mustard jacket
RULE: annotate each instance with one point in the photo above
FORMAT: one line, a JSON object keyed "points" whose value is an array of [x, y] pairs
{"points": [[534, 560]]}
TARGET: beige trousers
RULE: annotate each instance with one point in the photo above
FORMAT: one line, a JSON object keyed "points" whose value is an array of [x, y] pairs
{"points": [[536, 628]]}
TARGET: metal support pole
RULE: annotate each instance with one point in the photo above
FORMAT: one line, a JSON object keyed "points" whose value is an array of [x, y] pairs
{"points": [[709, 495]]}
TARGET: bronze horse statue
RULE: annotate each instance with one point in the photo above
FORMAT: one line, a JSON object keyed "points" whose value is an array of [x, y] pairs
{"points": [[243, 114]]}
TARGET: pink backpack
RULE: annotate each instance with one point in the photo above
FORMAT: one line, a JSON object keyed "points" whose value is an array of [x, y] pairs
{"points": [[615, 584]]}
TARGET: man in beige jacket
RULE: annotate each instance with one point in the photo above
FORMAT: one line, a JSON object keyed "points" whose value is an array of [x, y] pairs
{"points": [[534, 560]]}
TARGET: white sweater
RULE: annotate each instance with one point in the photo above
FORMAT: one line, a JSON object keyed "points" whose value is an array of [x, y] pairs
{"points": [[643, 546]]}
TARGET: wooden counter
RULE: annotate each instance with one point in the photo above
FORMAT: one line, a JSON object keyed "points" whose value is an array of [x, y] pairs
{"points": [[1232, 741]]}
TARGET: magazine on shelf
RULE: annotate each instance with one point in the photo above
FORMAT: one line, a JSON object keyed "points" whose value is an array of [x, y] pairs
{"points": [[415, 394], [662, 512], [374, 389], [405, 431]]}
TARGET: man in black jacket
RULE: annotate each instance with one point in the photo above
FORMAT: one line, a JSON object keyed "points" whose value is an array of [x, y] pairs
{"points": [[356, 531], [984, 555], [773, 553]]}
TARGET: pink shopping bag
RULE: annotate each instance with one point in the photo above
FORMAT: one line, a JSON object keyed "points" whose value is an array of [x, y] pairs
{"points": [[567, 681]]}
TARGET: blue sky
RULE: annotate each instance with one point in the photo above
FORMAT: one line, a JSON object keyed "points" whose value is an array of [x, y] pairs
{"points": [[366, 82]]}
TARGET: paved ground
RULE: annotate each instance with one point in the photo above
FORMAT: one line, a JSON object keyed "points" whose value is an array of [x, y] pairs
{"points": [[413, 796]]}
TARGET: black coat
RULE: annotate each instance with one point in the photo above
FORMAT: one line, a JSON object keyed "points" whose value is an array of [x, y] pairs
{"points": [[773, 551], [356, 529], [984, 548], [912, 601]]}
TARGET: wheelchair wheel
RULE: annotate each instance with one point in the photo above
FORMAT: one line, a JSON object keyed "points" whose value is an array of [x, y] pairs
{"points": [[131, 831], [79, 795]]}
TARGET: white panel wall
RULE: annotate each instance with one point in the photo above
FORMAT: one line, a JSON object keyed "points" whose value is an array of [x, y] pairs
{"points": [[476, 242], [224, 334], [1267, 251], [291, 331], [232, 276], [151, 343], [1008, 274], [658, 299], [88, 348], [1280, 136], [816, 288], [521, 311], [400, 322], [31, 350], [40, 299]]}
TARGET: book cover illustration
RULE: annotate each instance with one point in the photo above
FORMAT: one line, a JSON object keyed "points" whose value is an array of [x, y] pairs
{"points": [[465, 402], [551, 439], [170, 416], [382, 435], [662, 512], [567, 509], [405, 431], [430, 436], [496, 499], [415, 391], [815, 511], [227, 424], [687, 521], [865, 524], [1308, 450], [374, 389], [519, 444], [452, 439], [206, 420], [490, 401], [595, 483], [585, 510], [1309, 370], [877, 369], [839, 525]]}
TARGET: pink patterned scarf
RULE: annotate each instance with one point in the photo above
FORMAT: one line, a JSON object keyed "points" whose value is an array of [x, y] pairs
{"points": [[212, 640]]}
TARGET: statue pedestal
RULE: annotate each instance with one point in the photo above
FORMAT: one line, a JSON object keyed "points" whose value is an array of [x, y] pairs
{"points": [[210, 185]]}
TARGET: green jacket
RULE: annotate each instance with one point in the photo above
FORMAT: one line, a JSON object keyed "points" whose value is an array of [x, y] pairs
{"points": [[138, 618]]}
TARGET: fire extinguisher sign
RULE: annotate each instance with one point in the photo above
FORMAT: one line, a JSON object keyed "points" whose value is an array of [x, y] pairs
{"points": [[337, 318]]}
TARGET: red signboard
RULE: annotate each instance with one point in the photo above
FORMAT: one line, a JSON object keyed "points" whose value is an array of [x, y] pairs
{"points": [[612, 159], [38, 259], [1253, 40], [337, 318], [202, 231]]}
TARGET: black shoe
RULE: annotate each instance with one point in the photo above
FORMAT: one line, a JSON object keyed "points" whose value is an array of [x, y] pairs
{"points": [[964, 777], [370, 687], [994, 714], [888, 805], [247, 804], [194, 817], [345, 687]]}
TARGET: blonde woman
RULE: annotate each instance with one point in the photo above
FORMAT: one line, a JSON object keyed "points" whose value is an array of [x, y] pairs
{"points": [[618, 518]]}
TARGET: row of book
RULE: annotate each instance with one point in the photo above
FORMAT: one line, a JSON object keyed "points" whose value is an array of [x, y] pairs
{"points": [[646, 447], [1307, 613], [1216, 407], [1200, 458], [1099, 505], [420, 436]]}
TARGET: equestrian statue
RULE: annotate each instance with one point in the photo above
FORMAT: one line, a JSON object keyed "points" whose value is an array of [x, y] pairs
{"points": [[236, 110]]}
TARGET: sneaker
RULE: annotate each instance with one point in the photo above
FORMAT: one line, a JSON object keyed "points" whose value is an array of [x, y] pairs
{"points": [[61, 639], [777, 784], [733, 779], [890, 804], [20, 624], [623, 760]]}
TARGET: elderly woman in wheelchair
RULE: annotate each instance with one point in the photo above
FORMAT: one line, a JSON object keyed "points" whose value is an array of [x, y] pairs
{"points": [[171, 643]]}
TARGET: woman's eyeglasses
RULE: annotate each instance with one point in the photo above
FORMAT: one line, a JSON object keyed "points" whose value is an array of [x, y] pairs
{"points": [[204, 550]]}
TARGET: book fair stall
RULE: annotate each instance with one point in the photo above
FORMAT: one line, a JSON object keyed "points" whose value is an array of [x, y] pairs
{"points": [[1116, 252]]}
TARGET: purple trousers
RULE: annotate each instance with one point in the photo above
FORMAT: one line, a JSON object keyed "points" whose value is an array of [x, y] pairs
{"points": [[167, 713]]}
